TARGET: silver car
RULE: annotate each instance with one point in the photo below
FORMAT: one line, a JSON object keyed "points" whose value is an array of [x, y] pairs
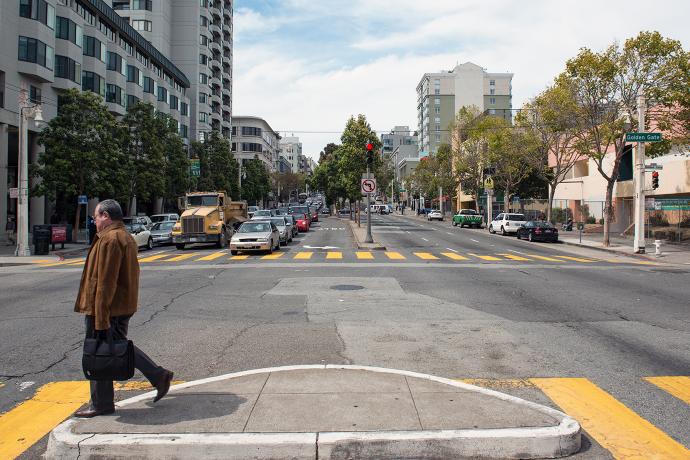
{"points": [[265, 213], [283, 230], [255, 235], [292, 224], [161, 232]]}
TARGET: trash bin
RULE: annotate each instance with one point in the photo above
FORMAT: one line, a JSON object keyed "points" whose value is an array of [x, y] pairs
{"points": [[41, 240]]}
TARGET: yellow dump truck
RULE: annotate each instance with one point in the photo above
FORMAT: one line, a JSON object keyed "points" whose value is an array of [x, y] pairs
{"points": [[208, 217]]}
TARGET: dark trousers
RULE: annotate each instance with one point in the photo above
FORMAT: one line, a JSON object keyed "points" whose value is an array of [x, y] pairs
{"points": [[102, 392]]}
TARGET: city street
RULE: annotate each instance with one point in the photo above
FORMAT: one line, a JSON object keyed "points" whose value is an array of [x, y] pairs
{"points": [[456, 303]]}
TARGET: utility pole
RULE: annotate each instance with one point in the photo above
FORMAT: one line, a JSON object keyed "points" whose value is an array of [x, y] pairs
{"points": [[639, 244], [370, 161], [440, 199]]}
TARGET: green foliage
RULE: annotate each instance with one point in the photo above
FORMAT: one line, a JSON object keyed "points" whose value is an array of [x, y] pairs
{"points": [[219, 170], [177, 173], [256, 183]]}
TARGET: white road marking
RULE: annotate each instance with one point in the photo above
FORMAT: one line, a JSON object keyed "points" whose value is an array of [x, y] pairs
{"points": [[448, 233], [450, 249], [425, 239], [517, 252], [472, 239]]}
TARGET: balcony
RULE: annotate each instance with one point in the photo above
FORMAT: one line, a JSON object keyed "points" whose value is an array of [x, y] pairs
{"points": [[214, 82], [227, 28], [227, 92], [215, 30], [215, 12], [215, 46], [215, 64]]}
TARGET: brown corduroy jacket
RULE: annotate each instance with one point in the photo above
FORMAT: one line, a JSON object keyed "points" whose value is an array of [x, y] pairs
{"points": [[110, 280]]}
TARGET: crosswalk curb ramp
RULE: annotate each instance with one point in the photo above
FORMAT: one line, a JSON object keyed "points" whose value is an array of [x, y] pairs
{"points": [[321, 411]]}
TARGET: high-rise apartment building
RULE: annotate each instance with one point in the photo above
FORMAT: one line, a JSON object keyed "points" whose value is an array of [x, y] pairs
{"points": [[253, 136], [48, 46], [441, 95], [291, 149], [197, 35]]}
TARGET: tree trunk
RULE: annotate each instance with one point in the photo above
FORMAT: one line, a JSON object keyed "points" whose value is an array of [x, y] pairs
{"points": [[75, 229], [608, 211], [506, 200], [549, 204]]}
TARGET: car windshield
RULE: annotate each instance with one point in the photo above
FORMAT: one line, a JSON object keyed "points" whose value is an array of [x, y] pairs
{"points": [[202, 200], [279, 222], [262, 212], [255, 227], [299, 209], [131, 228], [252, 208], [469, 212], [518, 217], [163, 226], [155, 219], [543, 224]]}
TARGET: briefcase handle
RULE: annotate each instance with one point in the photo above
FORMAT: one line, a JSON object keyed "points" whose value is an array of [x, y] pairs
{"points": [[108, 337]]}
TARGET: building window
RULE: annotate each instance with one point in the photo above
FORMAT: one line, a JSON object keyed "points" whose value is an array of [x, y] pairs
{"points": [[492, 82], [437, 101], [492, 100], [67, 68], [115, 63], [203, 59], [184, 109], [149, 85], [437, 109], [203, 117], [251, 131], [131, 101], [120, 4], [437, 120], [203, 78], [203, 40], [142, 5], [37, 52], [134, 75], [113, 93], [34, 94], [94, 48], [204, 21], [162, 94], [203, 3], [106, 29], [438, 138], [203, 98], [39, 10], [184, 131], [92, 82], [68, 30], [141, 25], [174, 102], [438, 127], [251, 147]]}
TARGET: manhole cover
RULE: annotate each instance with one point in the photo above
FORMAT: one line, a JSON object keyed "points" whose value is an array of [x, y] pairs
{"points": [[347, 287]]}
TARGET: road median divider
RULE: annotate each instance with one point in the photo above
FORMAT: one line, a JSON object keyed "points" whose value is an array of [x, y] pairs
{"points": [[359, 234]]}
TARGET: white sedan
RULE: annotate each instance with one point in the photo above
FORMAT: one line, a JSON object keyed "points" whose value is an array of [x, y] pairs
{"points": [[434, 214], [142, 236]]}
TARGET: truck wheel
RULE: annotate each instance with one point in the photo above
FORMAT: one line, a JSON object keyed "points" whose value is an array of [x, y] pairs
{"points": [[180, 246], [233, 252], [455, 224]]}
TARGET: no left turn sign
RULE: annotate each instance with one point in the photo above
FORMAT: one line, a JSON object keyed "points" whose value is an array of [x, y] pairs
{"points": [[368, 185]]}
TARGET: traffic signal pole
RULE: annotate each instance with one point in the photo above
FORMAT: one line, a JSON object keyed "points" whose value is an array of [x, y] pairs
{"points": [[639, 244]]}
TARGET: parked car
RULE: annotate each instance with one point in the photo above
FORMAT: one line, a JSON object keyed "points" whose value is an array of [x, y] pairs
{"points": [[538, 230], [161, 232], [285, 233], [264, 213], [467, 217], [434, 214], [425, 211], [292, 224], [255, 235], [344, 212], [141, 235], [251, 210], [165, 218], [143, 220], [507, 223], [303, 210], [326, 211], [314, 213]]}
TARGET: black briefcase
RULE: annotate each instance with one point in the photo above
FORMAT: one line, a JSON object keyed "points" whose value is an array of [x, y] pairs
{"points": [[108, 359]]}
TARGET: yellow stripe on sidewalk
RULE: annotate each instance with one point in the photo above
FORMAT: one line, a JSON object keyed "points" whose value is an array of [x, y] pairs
{"points": [[394, 255], [27, 423], [303, 255], [485, 257], [575, 259], [425, 255], [152, 258], [244, 257], [365, 255], [617, 428], [678, 386], [454, 256], [182, 257], [213, 256], [550, 259], [513, 257], [57, 264], [334, 255], [275, 255], [78, 262]]}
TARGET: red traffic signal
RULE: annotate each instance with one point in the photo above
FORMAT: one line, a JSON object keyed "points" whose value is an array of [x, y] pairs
{"points": [[655, 180], [370, 147]]}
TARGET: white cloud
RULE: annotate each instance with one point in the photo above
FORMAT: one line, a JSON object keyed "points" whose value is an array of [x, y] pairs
{"points": [[296, 90]]}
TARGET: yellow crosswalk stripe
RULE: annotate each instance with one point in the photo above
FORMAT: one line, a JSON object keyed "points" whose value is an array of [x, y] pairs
{"points": [[550, 259], [364, 255], [57, 264], [244, 257], [513, 257], [334, 255], [152, 258], [182, 257], [576, 259], [485, 257], [678, 386], [213, 256], [303, 255], [275, 255], [395, 255], [27, 423], [454, 256], [617, 428], [425, 255]]}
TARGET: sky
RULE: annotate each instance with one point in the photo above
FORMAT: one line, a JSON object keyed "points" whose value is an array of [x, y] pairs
{"points": [[306, 66]]}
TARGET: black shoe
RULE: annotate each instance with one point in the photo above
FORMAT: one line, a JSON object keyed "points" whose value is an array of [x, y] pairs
{"points": [[163, 386], [90, 412]]}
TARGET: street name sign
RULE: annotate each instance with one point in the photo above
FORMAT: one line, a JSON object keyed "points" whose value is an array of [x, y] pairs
{"points": [[195, 167], [642, 137], [368, 185]]}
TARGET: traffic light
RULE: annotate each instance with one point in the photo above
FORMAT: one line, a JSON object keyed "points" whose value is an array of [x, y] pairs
{"points": [[655, 180], [370, 153]]}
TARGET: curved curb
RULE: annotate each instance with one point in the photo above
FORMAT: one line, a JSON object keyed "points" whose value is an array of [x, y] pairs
{"points": [[541, 442]]}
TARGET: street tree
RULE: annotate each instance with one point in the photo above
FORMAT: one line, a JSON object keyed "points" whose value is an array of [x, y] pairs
{"points": [[218, 168], [288, 183], [434, 173], [256, 182], [469, 151], [606, 86], [177, 173], [82, 151]]}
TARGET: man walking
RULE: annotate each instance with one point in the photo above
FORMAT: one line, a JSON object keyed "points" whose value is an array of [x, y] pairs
{"points": [[108, 296]]}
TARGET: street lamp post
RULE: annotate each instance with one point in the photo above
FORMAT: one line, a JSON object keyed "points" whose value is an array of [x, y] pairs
{"points": [[26, 112]]}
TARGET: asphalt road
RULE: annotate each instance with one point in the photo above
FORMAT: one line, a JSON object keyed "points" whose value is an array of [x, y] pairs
{"points": [[500, 309]]}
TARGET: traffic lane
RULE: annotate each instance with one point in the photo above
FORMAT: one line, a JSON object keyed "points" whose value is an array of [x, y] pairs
{"points": [[330, 232], [394, 233]]}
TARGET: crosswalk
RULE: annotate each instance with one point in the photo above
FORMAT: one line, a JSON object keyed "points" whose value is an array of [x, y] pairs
{"points": [[294, 254], [616, 427]]}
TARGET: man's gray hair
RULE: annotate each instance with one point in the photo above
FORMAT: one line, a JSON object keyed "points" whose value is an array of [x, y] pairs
{"points": [[112, 207]]}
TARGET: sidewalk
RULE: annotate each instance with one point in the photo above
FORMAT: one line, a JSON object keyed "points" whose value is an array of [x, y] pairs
{"points": [[7, 256], [322, 411], [670, 253]]}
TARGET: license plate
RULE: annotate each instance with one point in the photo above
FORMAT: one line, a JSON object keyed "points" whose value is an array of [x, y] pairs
{"points": [[547, 231], [193, 240]]}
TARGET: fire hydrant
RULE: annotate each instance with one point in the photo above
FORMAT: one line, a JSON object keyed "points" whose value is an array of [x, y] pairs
{"points": [[657, 248]]}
